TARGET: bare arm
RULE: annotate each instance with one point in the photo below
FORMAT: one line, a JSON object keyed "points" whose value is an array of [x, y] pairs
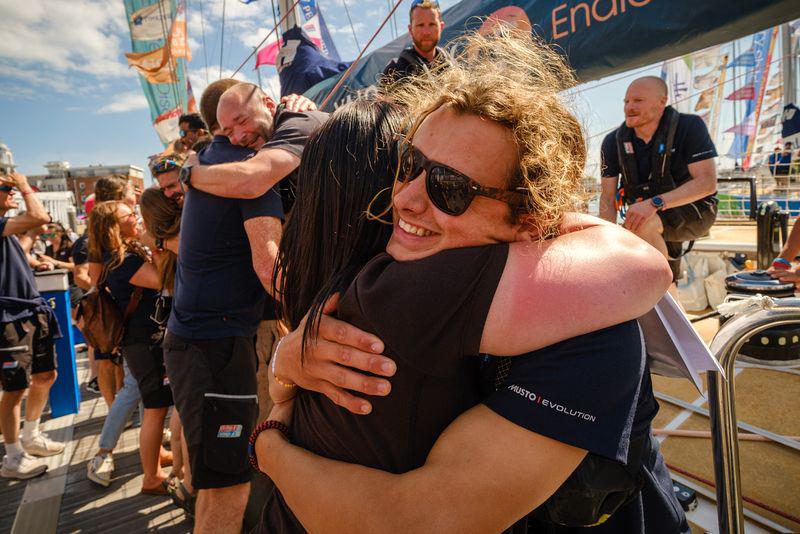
{"points": [[608, 198], [702, 184], [264, 234], [58, 264], [35, 214], [597, 277], [469, 483], [95, 271], [146, 276], [81, 277], [792, 247], [245, 179]]}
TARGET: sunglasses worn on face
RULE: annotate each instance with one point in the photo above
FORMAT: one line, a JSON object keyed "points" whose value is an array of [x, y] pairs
{"points": [[449, 190], [5, 188], [184, 133]]}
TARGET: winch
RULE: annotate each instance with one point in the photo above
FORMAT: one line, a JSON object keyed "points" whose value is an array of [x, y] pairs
{"points": [[775, 346]]}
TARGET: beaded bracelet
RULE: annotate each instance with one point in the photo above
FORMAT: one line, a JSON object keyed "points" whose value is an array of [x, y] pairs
{"points": [[287, 385], [781, 263], [251, 445]]}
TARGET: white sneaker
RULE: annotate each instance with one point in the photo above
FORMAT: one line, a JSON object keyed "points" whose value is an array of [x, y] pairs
{"points": [[41, 445], [100, 469], [22, 467]]}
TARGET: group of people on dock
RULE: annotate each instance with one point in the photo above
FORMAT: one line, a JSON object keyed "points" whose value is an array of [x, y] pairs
{"points": [[358, 318]]}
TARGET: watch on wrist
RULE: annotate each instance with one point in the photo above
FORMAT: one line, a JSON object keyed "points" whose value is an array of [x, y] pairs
{"points": [[657, 202], [185, 177]]}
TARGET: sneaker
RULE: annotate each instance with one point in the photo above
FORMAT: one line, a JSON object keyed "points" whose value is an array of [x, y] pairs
{"points": [[92, 386], [22, 467], [41, 445], [100, 469]]}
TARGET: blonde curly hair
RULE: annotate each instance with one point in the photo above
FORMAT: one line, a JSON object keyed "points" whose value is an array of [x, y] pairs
{"points": [[516, 80]]}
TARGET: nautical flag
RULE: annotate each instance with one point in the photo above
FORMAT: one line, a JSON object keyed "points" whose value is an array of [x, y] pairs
{"points": [[301, 65], [178, 43], [153, 65], [748, 92], [774, 93], [705, 58], [704, 80], [677, 73], [746, 127], [152, 22], [706, 99], [791, 121], [745, 59], [770, 122]]}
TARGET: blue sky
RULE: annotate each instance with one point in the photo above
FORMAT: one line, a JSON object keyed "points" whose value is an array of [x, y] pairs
{"points": [[66, 92]]}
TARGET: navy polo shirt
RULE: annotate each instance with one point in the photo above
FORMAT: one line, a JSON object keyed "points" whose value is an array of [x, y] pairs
{"points": [[19, 297], [594, 392], [692, 144]]}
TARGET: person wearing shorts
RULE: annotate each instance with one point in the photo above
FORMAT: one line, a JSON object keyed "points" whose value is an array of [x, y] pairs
{"points": [[27, 329]]}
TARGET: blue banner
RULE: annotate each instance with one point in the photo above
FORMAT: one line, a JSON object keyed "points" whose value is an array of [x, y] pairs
{"points": [[599, 37]]}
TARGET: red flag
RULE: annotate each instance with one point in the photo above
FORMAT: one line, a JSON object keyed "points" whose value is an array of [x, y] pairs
{"points": [[267, 55], [748, 92]]}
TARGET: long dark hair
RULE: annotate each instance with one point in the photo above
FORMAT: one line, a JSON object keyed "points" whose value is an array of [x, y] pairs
{"points": [[162, 219], [347, 164]]}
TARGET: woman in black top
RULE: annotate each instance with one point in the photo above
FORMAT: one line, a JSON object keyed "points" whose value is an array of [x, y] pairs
{"points": [[430, 312], [131, 276]]}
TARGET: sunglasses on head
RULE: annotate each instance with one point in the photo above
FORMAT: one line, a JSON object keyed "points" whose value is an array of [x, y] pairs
{"points": [[164, 165], [449, 190]]}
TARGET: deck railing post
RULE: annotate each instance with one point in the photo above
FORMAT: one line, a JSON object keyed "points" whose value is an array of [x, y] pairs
{"points": [[722, 404]]}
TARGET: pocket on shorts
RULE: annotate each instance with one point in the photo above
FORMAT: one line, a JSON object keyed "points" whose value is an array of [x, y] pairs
{"points": [[228, 421]]}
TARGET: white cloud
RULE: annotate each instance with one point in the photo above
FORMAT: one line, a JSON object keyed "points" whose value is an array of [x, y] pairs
{"points": [[123, 102]]}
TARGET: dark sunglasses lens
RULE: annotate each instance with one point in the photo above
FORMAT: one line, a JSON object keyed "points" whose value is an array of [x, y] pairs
{"points": [[449, 192], [183, 133], [411, 162], [6, 188]]}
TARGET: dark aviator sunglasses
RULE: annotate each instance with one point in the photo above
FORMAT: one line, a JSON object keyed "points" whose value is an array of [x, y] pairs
{"points": [[448, 189]]}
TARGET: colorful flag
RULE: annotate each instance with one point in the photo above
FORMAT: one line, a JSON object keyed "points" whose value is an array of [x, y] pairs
{"points": [[746, 127], [705, 58], [774, 93], [154, 65], [677, 73], [770, 122], [152, 22], [705, 100], [745, 59], [748, 92], [709, 78], [178, 42]]}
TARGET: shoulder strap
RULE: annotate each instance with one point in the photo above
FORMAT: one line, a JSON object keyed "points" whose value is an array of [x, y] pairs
{"points": [[136, 297], [672, 127]]}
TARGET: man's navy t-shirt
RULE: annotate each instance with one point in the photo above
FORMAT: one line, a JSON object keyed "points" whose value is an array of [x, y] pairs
{"points": [[80, 250], [19, 297], [217, 292], [692, 144], [594, 392]]}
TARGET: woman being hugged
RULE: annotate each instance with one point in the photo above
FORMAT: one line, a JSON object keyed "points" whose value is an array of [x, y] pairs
{"points": [[133, 281]]}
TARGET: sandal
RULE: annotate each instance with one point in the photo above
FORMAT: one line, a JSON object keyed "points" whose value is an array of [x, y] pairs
{"points": [[161, 489], [182, 498]]}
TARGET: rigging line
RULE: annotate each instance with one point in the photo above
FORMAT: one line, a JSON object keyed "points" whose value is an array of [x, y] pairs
{"points": [[167, 33], [354, 63], [203, 33], [222, 39], [264, 40], [277, 32], [352, 29], [688, 97]]}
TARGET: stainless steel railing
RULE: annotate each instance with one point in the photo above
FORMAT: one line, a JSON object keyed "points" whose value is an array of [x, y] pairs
{"points": [[726, 346]]}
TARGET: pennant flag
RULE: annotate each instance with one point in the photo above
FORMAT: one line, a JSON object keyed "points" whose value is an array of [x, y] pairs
{"points": [[153, 65], [745, 59], [151, 22], [706, 99], [677, 74], [746, 127], [191, 103], [775, 93], [770, 122], [748, 92], [705, 58]]}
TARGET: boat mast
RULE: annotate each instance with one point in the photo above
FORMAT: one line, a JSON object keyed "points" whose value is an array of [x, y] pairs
{"points": [[789, 65], [294, 17]]}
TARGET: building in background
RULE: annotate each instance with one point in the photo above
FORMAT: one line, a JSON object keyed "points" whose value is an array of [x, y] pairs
{"points": [[6, 159], [80, 180]]}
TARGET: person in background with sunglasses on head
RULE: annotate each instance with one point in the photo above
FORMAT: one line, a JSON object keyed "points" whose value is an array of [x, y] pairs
{"points": [[483, 258], [165, 170], [192, 129], [27, 329], [425, 28]]}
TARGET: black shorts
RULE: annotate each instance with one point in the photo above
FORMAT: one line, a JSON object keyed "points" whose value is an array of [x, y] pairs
{"points": [[26, 348], [214, 385], [145, 360], [686, 223]]}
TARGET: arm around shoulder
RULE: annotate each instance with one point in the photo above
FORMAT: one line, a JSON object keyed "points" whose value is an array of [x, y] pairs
{"points": [[245, 179], [571, 285]]}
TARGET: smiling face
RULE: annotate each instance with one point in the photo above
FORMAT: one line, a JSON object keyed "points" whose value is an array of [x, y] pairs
{"points": [[170, 185], [245, 116], [425, 28], [645, 101], [126, 219], [481, 149]]}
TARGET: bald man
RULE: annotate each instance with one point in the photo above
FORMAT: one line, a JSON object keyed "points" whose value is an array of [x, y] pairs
{"points": [[226, 254], [658, 168]]}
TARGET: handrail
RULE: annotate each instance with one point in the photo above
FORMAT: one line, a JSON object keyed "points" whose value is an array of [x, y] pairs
{"points": [[753, 194], [726, 346]]}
